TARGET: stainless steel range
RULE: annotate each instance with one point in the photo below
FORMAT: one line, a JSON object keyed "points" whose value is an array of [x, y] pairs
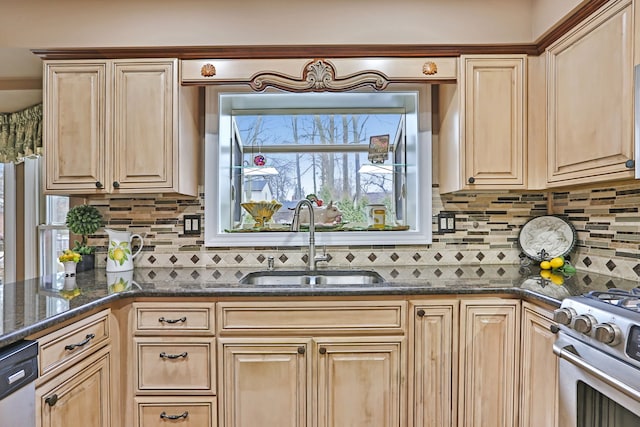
{"points": [[598, 345]]}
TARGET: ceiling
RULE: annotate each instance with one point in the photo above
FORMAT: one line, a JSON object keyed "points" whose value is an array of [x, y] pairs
{"points": [[20, 79]]}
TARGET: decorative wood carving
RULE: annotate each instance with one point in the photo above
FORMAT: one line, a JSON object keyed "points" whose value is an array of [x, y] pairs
{"points": [[319, 76], [208, 70], [429, 68]]}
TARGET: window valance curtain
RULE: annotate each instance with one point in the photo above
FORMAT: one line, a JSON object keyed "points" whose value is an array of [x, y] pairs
{"points": [[21, 134]]}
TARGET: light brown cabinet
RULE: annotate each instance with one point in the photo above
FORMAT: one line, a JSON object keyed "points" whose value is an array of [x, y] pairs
{"points": [[539, 370], [433, 362], [119, 126], [317, 370], [173, 368], [77, 374], [489, 362], [483, 133], [590, 99]]}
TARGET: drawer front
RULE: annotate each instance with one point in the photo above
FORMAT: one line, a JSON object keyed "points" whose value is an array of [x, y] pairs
{"points": [[330, 316], [72, 343], [175, 365], [170, 319], [179, 411]]}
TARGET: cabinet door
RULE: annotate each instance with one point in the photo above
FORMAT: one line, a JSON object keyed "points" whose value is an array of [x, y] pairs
{"points": [[74, 132], [493, 121], [360, 383], [435, 348], [539, 379], [79, 395], [590, 99], [264, 382], [489, 344], [144, 124]]}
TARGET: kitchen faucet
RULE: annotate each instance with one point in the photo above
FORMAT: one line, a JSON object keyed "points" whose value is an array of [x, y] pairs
{"points": [[313, 259]]}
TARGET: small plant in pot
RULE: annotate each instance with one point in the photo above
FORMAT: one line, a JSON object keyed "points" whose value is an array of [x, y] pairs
{"points": [[84, 220]]}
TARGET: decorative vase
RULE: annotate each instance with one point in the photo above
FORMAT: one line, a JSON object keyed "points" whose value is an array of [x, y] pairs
{"points": [[69, 268]]}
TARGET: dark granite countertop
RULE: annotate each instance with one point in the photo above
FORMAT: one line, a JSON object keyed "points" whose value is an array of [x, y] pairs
{"points": [[33, 305]]}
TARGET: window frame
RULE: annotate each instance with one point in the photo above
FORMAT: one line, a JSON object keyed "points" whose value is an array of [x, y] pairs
{"points": [[221, 100]]}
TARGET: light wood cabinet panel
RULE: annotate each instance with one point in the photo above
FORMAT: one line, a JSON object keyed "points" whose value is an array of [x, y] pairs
{"points": [[360, 383], [180, 411], [489, 362], [191, 318], [433, 363], [483, 131], [539, 375], [265, 381], [180, 365], [126, 125], [590, 99], [66, 346], [312, 317], [74, 125], [80, 395], [144, 124]]}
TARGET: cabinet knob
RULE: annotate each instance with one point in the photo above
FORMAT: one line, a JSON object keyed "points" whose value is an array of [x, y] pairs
{"points": [[630, 164], [301, 350], [116, 184], [554, 329], [471, 180], [323, 350], [51, 400], [99, 184], [420, 313]]}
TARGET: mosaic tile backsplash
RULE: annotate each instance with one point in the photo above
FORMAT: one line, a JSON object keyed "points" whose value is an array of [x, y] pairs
{"points": [[487, 224]]}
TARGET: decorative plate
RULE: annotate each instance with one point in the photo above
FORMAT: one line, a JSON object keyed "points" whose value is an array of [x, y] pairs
{"points": [[546, 237]]}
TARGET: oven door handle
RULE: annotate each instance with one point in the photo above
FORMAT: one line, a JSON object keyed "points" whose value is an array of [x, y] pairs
{"points": [[568, 353]]}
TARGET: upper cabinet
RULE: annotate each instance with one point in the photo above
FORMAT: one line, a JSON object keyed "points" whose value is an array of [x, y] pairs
{"points": [[483, 140], [590, 99], [119, 126]]}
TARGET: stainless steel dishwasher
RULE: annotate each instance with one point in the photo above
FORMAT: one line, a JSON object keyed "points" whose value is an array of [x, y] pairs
{"points": [[18, 372]]}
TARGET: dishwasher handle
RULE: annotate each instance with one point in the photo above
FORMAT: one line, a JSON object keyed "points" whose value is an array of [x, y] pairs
{"points": [[18, 366]]}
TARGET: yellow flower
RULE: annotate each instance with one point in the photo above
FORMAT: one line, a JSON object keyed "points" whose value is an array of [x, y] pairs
{"points": [[70, 255]]}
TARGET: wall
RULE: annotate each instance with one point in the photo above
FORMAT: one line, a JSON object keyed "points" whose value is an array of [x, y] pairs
{"points": [[91, 23]]}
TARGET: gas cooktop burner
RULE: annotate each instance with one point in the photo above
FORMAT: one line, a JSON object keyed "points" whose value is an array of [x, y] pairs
{"points": [[622, 298]]}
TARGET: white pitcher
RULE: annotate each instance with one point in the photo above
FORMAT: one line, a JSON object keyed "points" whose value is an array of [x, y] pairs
{"points": [[119, 256]]}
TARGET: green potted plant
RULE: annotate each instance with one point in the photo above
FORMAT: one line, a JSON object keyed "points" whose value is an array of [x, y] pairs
{"points": [[84, 220]]}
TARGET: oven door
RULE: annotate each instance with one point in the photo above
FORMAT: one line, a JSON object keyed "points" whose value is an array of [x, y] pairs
{"points": [[595, 389]]}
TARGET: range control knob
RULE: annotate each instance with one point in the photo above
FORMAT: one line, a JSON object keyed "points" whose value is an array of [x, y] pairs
{"points": [[608, 333], [564, 315], [583, 323]]}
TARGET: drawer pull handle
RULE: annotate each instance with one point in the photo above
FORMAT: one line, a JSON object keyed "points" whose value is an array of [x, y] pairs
{"points": [[51, 400], [85, 341], [163, 320], [172, 356], [164, 415]]}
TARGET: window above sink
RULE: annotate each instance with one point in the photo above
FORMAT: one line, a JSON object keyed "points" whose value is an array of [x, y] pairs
{"points": [[281, 147]]}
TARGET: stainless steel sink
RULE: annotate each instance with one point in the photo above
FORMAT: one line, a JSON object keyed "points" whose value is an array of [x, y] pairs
{"points": [[321, 277]]}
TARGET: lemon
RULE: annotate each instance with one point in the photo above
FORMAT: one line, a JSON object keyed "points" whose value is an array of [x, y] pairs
{"points": [[545, 265], [118, 254], [556, 262], [545, 274], [557, 279]]}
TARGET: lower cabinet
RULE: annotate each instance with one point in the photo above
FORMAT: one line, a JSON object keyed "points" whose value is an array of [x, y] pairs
{"points": [[78, 396], [432, 367], [489, 362], [320, 381], [539, 377]]}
